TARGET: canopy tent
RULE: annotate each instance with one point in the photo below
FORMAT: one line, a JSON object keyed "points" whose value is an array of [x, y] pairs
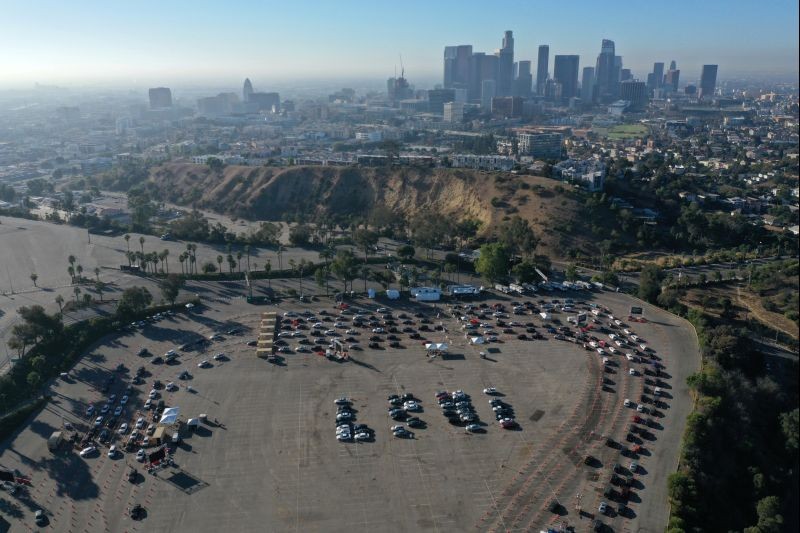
{"points": [[436, 346], [170, 416], [476, 340]]}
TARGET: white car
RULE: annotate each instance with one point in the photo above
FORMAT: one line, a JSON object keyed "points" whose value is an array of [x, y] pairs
{"points": [[351, 332], [612, 336], [88, 451], [289, 314], [618, 322], [105, 409], [123, 428], [630, 357], [153, 394], [148, 404], [363, 436], [643, 347], [202, 364], [297, 334], [118, 410], [627, 403], [490, 390], [123, 400], [398, 427], [411, 406], [377, 330], [318, 325], [382, 310], [331, 332], [612, 349], [343, 436], [171, 386], [112, 451], [619, 343], [472, 428], [640, 408], [593, 344], [634, 337], [139, 423], [658, 391], [626, 331], [140, 455], [169, 352], [632, 372], [602, 508], [98, 421], [606, 360], [284, 334], [601, 351]]}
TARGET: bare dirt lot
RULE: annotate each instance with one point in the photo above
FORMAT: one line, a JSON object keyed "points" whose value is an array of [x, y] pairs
{"points": [[271, 461]]}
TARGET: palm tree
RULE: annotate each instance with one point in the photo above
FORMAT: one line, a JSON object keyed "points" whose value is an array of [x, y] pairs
{"points": [[79, 271], [71, 260], [34, 277], [100, 287], [60, 302], [97, 273], [267, 270], [365, 274], [141, 243], [219, 260], [247, 251], [239, 259], [128, 241], [71, 270], [231, 263], [77, 291], [280, 251], [192, 263], [326, 254], [165, 258], [181, 259]]}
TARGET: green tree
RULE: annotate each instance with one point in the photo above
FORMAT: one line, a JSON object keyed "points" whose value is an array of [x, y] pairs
{"points": [[300, 235], [34, 379], [650, 283], [406, 252], [525, 271], [170, 287], [571, 273], [493, 262], [209, 268], [321, 278], [518, 236], [365, 239], [133, 301], [60, 302], [345, 267], [790, 426], [34, 278]]}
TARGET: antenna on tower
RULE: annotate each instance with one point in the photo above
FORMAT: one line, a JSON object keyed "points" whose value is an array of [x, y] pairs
{"points": [[402, 69]]}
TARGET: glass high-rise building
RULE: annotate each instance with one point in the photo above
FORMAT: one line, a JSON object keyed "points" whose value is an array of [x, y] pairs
{"points": [[565, 72], [541, 68], [457, 60], [708, 81], [587, 85], [505, 65], [607, 72]]}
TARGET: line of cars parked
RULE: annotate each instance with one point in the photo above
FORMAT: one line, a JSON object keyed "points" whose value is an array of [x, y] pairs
{"points": [[403, 408], [346, 428]]}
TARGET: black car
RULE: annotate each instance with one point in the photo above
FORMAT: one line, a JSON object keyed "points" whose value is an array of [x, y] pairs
{"points": [[407, 396], [104, 436], [392, 397], [415, 422]]}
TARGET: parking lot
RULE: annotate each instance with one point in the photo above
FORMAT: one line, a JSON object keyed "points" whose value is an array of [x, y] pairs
{"points": [[272, 461]]}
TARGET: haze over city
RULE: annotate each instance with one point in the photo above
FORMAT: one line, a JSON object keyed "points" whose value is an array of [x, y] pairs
{"points": [[184, 44], [423, 266]]}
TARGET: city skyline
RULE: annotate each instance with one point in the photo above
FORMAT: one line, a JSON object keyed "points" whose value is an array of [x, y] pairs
{"points": [[185, 43]]}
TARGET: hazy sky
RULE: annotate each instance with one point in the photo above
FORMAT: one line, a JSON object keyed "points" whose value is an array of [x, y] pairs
{"points": [[184, 43]]}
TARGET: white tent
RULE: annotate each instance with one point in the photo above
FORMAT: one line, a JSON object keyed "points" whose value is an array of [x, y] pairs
{"points": [[170, 416], [477, 340], [437, 346]]}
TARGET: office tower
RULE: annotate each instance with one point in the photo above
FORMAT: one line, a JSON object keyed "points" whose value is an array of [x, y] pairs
{"points": [[606, 72], [587, 85], [655, 81], [635, 92], [475, 68], [673, 65], [524, 82], [438, 97], [457, 66], [505, 66], [507, 106], [565, 72], [160, 97], [488, 92], [541, 68], [552, 89], [672, 77], [541, 144], [265, 101], [247, 90], [690, 90], [708, 81], [453, 112], [625, 74]]}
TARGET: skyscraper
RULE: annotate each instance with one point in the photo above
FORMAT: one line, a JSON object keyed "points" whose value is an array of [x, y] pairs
{"points": [[607, 72], [625, 74], [160, 97], [488, 90], [541, 68], [505, 66], [524, 82], [708, 81], [457, 66], [565, 72], [672, 77], [635, 92], [587, 85], [247, 90], [658, 76]]}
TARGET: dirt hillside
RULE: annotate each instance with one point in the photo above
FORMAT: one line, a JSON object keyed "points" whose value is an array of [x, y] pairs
{"points": [[265, 193]]}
